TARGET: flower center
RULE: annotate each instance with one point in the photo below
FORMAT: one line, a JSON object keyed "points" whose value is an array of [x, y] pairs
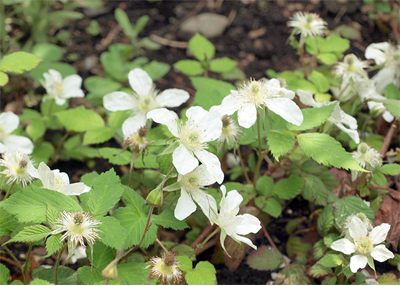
{"points": [[58, 182], [255, 93], [307, 25], [20, 167], [226, 130], [77, 228], [165, 269], [364, 245], [59, 88], [190, 183], [147, 103], [190, 137]]}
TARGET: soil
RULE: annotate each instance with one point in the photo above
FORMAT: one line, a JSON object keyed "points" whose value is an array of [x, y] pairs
{"points": [[254, 56]]}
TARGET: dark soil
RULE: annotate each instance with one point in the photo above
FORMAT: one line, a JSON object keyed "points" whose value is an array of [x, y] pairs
{"points": [[254, 56]]}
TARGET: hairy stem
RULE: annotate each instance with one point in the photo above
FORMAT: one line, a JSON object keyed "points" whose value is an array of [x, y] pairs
{"points": [[25, 270], [9, 191], [134, 157], [58, 263], [243, 167]]}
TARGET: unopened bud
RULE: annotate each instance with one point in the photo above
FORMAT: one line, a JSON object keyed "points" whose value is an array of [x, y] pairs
{"points": [[363, 148], [377, 111], [155, 197], [110, 272]]}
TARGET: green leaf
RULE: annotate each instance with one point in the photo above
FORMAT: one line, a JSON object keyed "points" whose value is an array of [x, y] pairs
{"points": [[51, 214], [210, 91], [133, 273], [90, 276], [302, 84], [36, 129], [102, 255], [325, 220], [133, 219], [47, 52], [40, 282], [98, 135], [112, 233], [333, 43], [156, 69], [105, 193], [350, 205], [124, 22], [53, 244], [265, 186], [331, 260], [115, 156], [380, 179], [313, 117], [80, 119], [189, 67], [327, 151], [320, 81], [272, 207], [288, 188], [4, 274], [296, 246], [116, 119], [203, 274], [393, 105], [63, 68], [390, 169], [317, 270], [101, 86], [31, 234], [3, 78], [186, 263], [392, 91], [314, 190], [19, 62], [201, 48], [30, 204], [327, 58], [167, 220], [7, 223], [293, 274], [265, 258], [280, 142], [141, 23], [165, 162], [224, 64]]}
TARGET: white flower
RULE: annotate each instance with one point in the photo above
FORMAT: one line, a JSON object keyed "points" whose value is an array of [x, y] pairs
{"points": [[379, 108], [367, 223], [78, 227], [367, 157], [59, 181], [233, 224], [362, 244], [230, 130], [8, 123], [193, 135], [256, 94], [165, 268], [307, 24], [61, 89], [19, 167], [388, 56], [338, 116], [192, 185], [79, 253], [351, 69], [144, 99]]}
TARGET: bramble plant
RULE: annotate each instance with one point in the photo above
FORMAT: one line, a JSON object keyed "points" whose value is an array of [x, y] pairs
{"points": [[308, 123]]}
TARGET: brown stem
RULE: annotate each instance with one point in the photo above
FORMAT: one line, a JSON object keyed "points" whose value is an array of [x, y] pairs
{"points": [[243, 167], [209, 244], [272, 243], [388, 139], [203, 235]]}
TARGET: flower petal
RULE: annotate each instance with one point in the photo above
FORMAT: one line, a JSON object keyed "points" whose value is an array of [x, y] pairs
{"points": [[72, 82], [231, 202], [381, 253], [208, 123], [9, 121], [232, 102], [212, 163], [357, 229], [172, 97], [344, 245], [247, 115], [250, 224], [206, 202], [140, 81], [352, 133], [132, 124], [46, 176], [185, 206], [376, 51], [286, 109], [378, 234], [21, 143], [166, 117], [74, 189], [119, 100], [204, 177], [306, 97], [244, 239], [183, 160], [357, 262], [388, 116]]}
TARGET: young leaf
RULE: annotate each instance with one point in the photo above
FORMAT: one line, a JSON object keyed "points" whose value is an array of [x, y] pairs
{"points": [[265, 258], [280, 142], [4, 274], [203, 274], [320, 81], [314, 190], [53, 244], [327, 151], [98, 135], [201, 48], [102, 255], [105, 193], [210, 91], [390, 169], [265, 186], [167, 220], [133, 273], [224, 64], [189, 67], [272, 207], [115, 156], [80, 119], [30, 204], [90, 276], [156, 69], [325, 220], [312, 117], [288, 188], [112, 233], [123, 20], [186, 263], [31, 234], [19, 62], [331, 260], [36, 129], [393, 105]]}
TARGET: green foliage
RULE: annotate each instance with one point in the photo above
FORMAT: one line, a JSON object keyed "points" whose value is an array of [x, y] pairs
{"points": [[53, 244], [272, 207], [314, 189], [47, 52], [393, 105], [203, 274], [313, 117], [288, 188], [133, 273], [89, 276], [265, 186], [327, 151], [320, 81], [36, 129], [167, 220], [4, 274], [293, 274], [331, 260], [7, 223], [66, 276], [201, 48], [102, 255], [80, 119], [115, 156], [390, 169], [111, 232], [31, 234], [189, 67], [210, 91], [325, 220], [280, 142], [265, 258], [222, 65], [350, 205], [19, 62], [30, 204]]}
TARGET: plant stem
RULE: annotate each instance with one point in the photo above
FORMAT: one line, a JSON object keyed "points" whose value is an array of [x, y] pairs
{"points": [[134, 157], [58, 263], [60, 144], [13, 256], [162, 246], [272, 243], [200, 245], [243, 167], [260, 157], [3, 28], [9, 191], [388, 138], [25, 270], [302, 60], [365, 124]]}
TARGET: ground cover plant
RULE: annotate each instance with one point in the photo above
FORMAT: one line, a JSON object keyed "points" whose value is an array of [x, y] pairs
{"points": [[115, 172]]}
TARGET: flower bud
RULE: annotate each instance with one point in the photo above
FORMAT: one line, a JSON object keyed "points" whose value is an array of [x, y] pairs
{"points": [[110, 272], [377, 111], [363, 148], [155, 197]]}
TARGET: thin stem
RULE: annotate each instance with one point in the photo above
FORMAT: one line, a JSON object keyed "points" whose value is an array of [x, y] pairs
{"points": [[365, 124], [13, 256], [342, 91], [258, 167], [260, 158], [3, 28], [243, 167], [58, 263], [134, 157], [200, 245], [272, 243], [388, 139], [25, 271], [302, 59], [162, 246], [9, 191], [205, 232]]}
